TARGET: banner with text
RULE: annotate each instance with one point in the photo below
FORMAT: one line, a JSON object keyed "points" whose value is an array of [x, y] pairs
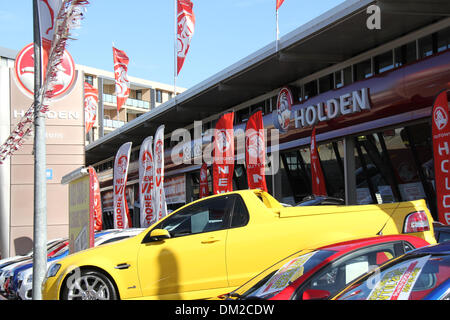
{"points": [[223, 149], [121, 215]]}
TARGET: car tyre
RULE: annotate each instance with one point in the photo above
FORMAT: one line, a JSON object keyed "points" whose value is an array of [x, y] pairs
{"points": [[89, 285]]}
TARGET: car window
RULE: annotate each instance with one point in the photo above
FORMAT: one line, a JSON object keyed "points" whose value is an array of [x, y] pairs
{"points": [[204, 216], [336, 275], [412, 277], [443, 236], [239, 216]]}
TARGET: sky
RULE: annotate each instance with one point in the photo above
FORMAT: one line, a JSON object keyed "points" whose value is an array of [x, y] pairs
{"points": [[226, 31]]}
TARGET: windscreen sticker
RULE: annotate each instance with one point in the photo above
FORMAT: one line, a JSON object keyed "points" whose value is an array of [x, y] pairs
{"points": [[398, 283], [286, 274]]}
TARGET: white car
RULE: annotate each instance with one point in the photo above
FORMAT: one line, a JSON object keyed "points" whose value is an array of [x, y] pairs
{"points": [[26, 277]]}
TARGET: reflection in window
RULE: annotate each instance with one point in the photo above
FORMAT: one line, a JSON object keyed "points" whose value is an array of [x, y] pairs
{"points": [[333, 171]]}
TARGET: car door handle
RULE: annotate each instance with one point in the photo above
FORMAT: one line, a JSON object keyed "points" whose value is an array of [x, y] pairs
{"points": [[210, 240]]}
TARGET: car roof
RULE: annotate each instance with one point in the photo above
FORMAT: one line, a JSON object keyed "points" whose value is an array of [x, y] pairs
{"points": [[353, 244], [440, 248]]}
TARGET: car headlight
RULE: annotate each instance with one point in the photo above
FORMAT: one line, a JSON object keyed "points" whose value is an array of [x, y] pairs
{"points": [[53, 270], [20, 276], [30, 278]]}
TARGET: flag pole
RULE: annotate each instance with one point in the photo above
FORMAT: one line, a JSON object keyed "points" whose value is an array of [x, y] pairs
{"points": [[175, 51], [40, 181], [277, 30]]}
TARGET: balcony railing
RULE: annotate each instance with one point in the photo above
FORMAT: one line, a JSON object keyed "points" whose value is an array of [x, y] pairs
{"points": [[109, 98], [108, 123]]}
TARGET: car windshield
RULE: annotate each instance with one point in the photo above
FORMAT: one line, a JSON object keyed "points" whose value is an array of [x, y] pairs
{"points": [[274, 279], [409, 278]]}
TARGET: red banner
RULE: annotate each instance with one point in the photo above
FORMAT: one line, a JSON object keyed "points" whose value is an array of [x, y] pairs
{"points": [[121, 215], [95, 201], [185, 30], [204, 189], [146, 183], [90, 106], [441, 150], [318, 180], [279, 3], [255, 152], [120, 72], [223, 148]]}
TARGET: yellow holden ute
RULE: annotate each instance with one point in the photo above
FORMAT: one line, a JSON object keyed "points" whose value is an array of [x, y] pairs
{"points": [[211, 246]]}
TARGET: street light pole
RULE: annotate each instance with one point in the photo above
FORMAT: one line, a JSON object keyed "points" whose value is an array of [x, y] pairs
{"points": [[40, 183]]}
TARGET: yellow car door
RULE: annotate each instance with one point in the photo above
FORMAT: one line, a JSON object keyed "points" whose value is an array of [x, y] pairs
{"points": [[191, 263]]}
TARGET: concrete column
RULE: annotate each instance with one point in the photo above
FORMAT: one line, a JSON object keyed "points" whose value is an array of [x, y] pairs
{"points": [[349, 171], [5, 168]]}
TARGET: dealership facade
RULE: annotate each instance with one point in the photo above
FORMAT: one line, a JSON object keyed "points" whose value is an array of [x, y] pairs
{"points": [[368, 91]]}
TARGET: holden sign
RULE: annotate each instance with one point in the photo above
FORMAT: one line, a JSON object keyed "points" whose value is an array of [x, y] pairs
{"points": [[24, 72]]}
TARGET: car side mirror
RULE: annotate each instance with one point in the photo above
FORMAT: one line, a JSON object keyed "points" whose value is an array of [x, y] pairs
{"points": [[159, 235], [315, 294]]}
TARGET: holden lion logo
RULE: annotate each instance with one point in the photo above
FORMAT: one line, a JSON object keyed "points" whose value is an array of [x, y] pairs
{"points": [[255, 146], [282, 115], [24, 71], [440, 118], [122, 164], [223, 140]]}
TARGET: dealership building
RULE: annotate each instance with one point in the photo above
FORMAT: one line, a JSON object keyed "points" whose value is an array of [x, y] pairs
{"points": [[367, 88]]}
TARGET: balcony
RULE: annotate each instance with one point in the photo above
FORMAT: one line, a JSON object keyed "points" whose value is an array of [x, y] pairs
{"points": [[112, 124], [135, 103]]}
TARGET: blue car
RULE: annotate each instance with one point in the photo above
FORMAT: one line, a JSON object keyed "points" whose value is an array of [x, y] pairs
{"points": [[421, 274]]}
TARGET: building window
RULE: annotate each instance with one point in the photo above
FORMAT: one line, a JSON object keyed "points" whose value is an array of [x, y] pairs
{"points": [[311, 89], [159, 96], [139, 94], [426, 46], [347, 74], [443, 40], [326, 83], [384, 62], [89, 79], [338, 81], [362, 70], [405, 54]]}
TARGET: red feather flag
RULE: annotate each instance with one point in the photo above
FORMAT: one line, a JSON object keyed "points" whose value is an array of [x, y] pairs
{"points": [[121, 61], [185, 30], [318, 180]]}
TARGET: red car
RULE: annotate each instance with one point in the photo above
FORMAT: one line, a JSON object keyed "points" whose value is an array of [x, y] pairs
{"points": [[319, 273]]}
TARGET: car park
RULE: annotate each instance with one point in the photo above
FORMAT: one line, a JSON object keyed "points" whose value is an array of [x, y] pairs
{"points": [[422, 274], [213, 245], [318, 273]]}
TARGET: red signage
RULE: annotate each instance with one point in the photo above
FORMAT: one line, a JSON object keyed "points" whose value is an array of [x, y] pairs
{"points": [[223, 162], [185, 30], [24, 71], [90, 106], [441, 150], [204, 190], [318, 180], [121, 61], [255, 152], [95, 202]]}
